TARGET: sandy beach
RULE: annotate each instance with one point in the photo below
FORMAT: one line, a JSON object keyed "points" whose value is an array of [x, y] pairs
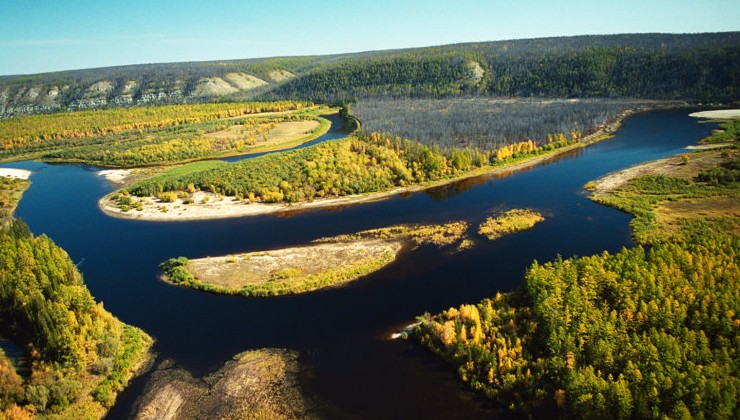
{"points": [[722, 114], [14, 173], [117, 176]]}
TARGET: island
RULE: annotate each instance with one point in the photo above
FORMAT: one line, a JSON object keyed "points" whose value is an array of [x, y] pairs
{"points": [[328, 262], [512, 221]]}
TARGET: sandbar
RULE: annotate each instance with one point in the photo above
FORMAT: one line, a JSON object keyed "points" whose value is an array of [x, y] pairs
{"points": [[720, 114], [14, 173]]}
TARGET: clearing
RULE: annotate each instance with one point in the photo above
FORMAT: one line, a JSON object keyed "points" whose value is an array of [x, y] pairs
{"points": [[281, 133]]}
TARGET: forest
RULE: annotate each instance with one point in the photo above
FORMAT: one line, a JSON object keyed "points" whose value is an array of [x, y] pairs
{"points": [[77, 349], [147, 135], [361, 164], [655, 66], [487, 123], [647, 332]]}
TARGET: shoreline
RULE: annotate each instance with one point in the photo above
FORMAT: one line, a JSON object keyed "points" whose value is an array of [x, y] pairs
{"points": [[15, 173], [228, 207]]}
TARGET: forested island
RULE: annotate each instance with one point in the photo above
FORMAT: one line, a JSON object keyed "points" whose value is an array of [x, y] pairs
{"points": [[79, 356], [650, 331]]}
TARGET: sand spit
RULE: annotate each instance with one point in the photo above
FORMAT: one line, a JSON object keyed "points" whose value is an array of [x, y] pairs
{"points": [[720, 114], [14, 173]]}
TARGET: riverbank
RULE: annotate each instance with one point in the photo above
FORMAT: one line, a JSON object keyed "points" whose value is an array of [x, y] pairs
{"points": [[11, 192], [720, 114], [206, 205], [686, 166]]}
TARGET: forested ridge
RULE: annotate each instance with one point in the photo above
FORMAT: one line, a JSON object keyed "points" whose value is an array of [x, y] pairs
{"points": [[648, 332], [697, 67], [656, 66], [80, 355]]}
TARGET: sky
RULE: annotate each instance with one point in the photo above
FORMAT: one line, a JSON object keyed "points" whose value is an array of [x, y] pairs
{"points": [[39, 36]]}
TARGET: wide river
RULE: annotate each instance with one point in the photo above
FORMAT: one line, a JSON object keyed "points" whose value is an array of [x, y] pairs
{"points": [[342, 334]]}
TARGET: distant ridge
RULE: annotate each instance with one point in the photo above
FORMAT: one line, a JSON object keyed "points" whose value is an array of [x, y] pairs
{"points": [[697, 67]]}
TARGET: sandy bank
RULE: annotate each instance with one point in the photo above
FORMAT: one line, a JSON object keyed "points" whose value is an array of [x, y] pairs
{"points": [[14, 173], [221, 207], [673, 166], [117, 176], [721, 114], [326, 262]]}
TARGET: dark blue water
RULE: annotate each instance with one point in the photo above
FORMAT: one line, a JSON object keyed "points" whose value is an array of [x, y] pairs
{"points": [[342, 333]]}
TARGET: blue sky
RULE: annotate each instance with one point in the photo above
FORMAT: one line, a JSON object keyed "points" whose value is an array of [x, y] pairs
{"points": [[41, 35]]}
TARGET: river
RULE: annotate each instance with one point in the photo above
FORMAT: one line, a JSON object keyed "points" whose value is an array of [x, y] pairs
{"points": [[342, 334]]}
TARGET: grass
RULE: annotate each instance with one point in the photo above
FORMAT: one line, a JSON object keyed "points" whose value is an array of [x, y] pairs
{"points": [[662, 203], [512, 221], [440, 235], [325, 263]]}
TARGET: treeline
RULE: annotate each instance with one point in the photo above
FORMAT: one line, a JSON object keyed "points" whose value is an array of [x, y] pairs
{"points": [[362, 164], [487, 123], [77, 349], [26, 134]]}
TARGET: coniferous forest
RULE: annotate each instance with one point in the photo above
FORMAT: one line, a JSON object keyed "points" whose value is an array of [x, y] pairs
{"points": [[648, 332]]}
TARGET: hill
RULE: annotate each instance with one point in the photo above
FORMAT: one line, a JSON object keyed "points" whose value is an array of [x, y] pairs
{"points": [[657, 66]]}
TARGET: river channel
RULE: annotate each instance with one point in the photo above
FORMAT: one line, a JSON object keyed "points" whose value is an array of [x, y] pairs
{"points": [[343, 334]]}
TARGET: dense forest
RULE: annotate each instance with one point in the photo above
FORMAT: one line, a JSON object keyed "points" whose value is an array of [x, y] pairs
{"points": [[77, 349], [655, 66], [148, 135], [361, 164], [487, 123], [648, 332], [79, 355], [638, 334]]}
